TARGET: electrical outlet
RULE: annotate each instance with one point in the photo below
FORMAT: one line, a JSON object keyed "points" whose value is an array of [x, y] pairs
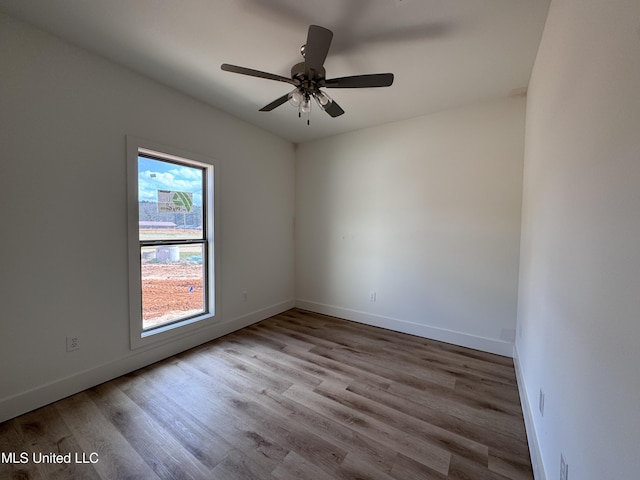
{"points": [[372, 296], [541, 403], [73, 343], [564, 468]]}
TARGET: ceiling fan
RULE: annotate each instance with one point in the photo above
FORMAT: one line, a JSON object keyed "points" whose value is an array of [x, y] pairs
{"points": [[308, 77]]}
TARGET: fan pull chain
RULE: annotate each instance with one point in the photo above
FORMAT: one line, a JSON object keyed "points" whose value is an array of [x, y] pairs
{"points": [[308, 113]]}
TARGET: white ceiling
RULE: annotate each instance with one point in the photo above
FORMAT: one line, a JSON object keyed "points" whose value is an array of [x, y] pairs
{"points": [[444, 53]]}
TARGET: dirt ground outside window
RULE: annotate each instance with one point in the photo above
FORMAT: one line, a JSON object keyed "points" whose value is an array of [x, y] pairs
{"points": [[170, 291]]}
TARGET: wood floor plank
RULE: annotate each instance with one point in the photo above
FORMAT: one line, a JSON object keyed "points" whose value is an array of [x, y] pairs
{"points": [[407, 423], [205, 403], [159, 449], [258, 418], [493, 421], [254, 417], [216, 359], [237, 465], [286, 336], [297, 396], [488, 388], [425, 412], [355, 466], [13, 444], [424, 372], [465, 469], [415, 448], [278, 363], [406, 467], [44, 428], [95, 434], [514, 467], [196, 435], [329, 368], [374, 452], [387, 371], [295, 467], [315, 367]]}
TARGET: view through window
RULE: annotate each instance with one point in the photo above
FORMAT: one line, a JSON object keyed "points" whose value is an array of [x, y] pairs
{"points": [[173, 240]]}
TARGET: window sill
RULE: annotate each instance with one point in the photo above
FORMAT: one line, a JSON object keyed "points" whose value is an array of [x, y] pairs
{"points": [[170, 332]]}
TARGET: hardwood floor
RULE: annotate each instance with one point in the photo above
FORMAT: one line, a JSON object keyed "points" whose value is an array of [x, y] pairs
{"points": [[297, 396]]}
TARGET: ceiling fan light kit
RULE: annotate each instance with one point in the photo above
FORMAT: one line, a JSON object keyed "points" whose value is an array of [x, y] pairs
{"points": [[309, 77]]}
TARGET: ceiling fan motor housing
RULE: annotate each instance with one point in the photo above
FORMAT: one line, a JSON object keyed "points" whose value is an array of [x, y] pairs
{"points": [[298, 72]]}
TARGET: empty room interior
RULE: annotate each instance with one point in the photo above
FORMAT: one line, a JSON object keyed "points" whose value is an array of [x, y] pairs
{"points": [[420, 260]]}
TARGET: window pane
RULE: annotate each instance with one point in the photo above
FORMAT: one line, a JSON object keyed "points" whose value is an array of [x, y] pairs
{"points": [[173, 277], [169, 200]]}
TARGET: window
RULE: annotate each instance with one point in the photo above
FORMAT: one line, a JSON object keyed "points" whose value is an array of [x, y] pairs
{"points": [[170, 242]]}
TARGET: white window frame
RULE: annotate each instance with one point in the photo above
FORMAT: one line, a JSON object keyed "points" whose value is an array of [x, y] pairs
{"points": [[138, 336]]}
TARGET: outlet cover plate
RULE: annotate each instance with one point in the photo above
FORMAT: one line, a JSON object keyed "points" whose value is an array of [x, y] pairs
{"points": [[73, 343]]}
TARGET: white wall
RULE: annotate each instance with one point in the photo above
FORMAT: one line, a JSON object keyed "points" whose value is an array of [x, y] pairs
{"points": [[64, 114], [579, 299], [426, 213]]}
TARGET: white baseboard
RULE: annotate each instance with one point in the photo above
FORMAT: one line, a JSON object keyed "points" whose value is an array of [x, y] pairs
{"points": [[490, 345], [532, 437], [24, 402]]}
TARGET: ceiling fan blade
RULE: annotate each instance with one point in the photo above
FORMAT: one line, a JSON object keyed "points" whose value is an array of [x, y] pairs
{"points": [[361, 81], [257, 73], [275, 103], [334, 109], [316, 48]]}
